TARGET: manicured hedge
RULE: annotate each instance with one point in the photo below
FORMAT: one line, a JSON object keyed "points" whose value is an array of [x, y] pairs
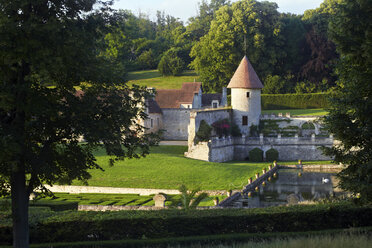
{"points": [[89, 226], [272, 155], [294, 101], [256, 155], [55, 205]]}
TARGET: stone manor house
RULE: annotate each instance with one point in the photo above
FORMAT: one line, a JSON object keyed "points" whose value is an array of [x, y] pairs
{"points": [[179, 113]]}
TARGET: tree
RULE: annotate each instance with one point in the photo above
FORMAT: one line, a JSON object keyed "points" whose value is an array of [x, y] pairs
{"points": [[170, 63], [247, 27], [147, 60], [350, 112], [199, 25], [59, 43], [320, 54]]}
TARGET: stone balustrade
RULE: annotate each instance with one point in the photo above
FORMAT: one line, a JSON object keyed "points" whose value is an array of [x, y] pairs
{"points": [[222, 149]]}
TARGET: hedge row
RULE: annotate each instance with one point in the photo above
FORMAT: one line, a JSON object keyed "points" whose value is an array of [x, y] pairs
{"points": [[55, 205], [174, 223], [294, 101]]}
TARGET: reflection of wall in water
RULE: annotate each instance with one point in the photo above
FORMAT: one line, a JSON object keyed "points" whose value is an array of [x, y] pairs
{"points": [[290, 182], [308, 186]]}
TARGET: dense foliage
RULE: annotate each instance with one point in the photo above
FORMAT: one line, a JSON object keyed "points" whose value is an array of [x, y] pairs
{"points": [[60, 43], [79, 226], [291, 53], [350, 111]]}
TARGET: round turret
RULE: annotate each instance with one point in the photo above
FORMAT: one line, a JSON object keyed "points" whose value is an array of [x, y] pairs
{"points": [[245, 96]]}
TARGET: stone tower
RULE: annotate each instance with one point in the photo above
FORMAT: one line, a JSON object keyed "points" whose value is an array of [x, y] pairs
{"points": [[245, 96]]}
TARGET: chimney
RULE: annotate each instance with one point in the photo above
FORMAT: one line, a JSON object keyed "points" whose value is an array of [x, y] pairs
{"points": [[152, 92], [224, 97]]}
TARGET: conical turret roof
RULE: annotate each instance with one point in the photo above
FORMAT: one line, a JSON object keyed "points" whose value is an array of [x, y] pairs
{"points": [[245, 77]]}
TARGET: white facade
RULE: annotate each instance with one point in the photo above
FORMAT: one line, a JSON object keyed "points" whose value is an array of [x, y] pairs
{"points": [[246, 105]]}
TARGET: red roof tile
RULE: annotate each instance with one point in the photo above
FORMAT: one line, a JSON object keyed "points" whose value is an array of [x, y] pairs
{"points": [[174, 98], [245, 77]]}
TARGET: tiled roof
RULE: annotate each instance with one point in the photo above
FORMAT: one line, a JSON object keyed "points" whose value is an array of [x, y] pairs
{"points": [[245, 77], [174, 98], [208, 98], [153, 107]]}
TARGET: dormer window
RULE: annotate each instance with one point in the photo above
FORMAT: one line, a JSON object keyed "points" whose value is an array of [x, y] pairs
{"points": [[215, 104], [247, 94]]}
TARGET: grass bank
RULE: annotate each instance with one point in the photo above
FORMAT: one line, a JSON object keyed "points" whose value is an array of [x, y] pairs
{"points": [[354, 237], [167, 168], [152, 78]]}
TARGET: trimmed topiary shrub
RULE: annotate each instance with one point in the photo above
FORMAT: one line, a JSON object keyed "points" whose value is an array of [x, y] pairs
{"points": [[204, 132], [256, 155], [272, 155], [55, 205]]}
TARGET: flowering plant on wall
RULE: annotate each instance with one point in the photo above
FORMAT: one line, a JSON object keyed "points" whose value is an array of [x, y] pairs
{"points": [[222, 127]]}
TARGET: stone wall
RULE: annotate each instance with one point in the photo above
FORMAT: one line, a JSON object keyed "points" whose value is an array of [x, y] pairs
{"points": [[289, 148], [208, 115], [108, 190], [175, 123]]}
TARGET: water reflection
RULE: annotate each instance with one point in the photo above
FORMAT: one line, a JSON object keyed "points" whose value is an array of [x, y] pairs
{"points": [[290, 187]]}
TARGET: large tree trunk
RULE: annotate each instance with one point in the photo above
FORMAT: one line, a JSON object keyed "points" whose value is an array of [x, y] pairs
{"points": [[20, 201]]}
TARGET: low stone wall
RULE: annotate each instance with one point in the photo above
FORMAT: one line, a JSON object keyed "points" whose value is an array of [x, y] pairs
{"points": [[108, 190], [115, 208], [289, 148], [199, 151]]}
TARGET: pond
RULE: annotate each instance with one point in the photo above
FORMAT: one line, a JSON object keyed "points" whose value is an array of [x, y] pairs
{"points": [[292, 186]]}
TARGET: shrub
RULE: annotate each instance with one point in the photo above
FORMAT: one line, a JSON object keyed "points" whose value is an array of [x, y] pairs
{"points": [[55, 205], [272, 155], [308, 125], [235, 130], [294, 101], [253, 131], [83, 226], [204, 132], [222, 127], [256, 155], [225, 127]]}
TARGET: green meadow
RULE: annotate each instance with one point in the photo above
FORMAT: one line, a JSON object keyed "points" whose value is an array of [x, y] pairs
{"points": [[152, 78]]}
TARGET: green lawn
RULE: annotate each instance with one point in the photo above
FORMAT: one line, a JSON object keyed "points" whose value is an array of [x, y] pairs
{"points": [[298, 112], [167, 168], [152, 78]]}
